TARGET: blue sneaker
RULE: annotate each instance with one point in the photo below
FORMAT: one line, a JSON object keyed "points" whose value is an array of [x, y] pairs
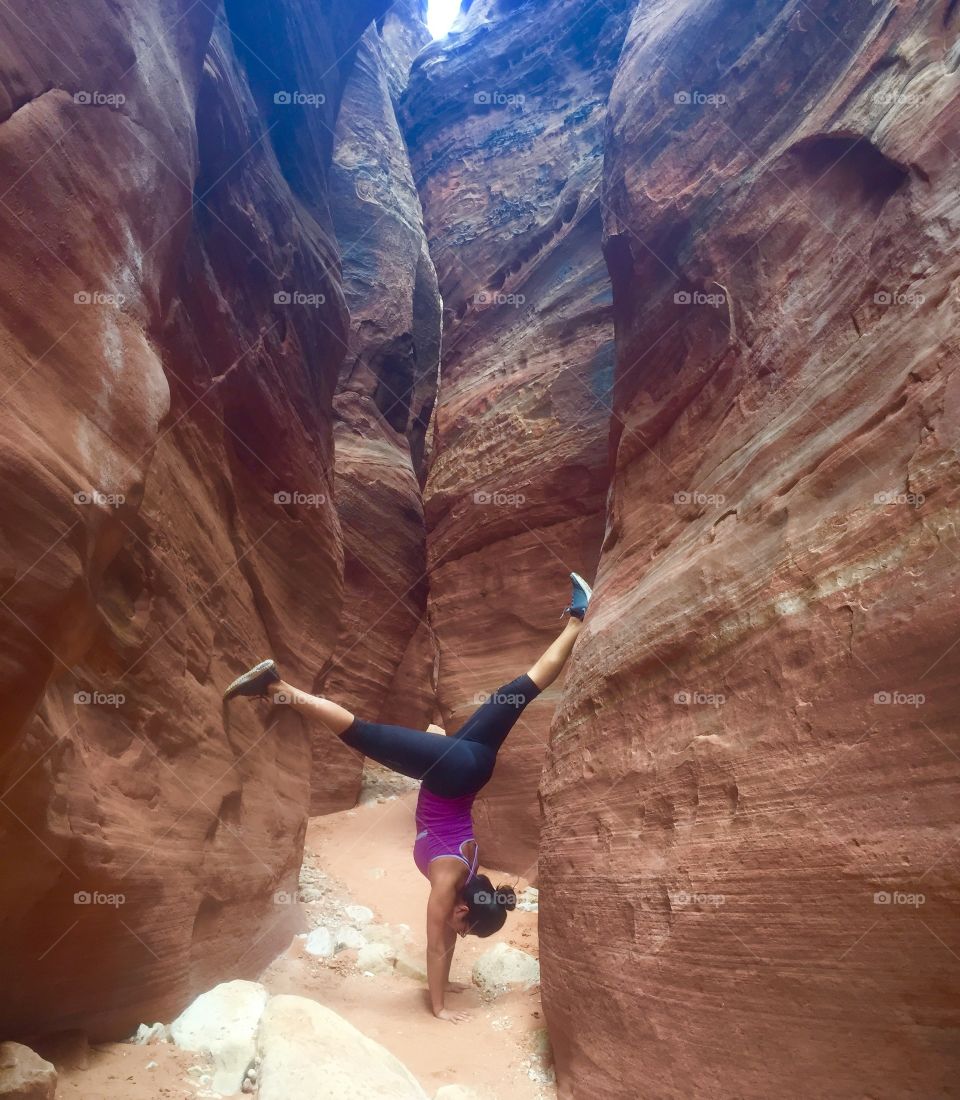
{"points": [[254, 682], [581, 597]]}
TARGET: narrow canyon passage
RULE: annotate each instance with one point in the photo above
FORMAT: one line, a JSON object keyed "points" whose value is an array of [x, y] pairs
{"points": [[342, 334]]}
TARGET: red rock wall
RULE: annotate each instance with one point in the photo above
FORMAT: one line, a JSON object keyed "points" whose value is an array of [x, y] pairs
{"points": [[505, 122], [752, 778], [155, 201], [384, 399]]}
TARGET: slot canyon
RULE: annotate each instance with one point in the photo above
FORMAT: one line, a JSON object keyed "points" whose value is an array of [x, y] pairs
{"points": [[333, 342]]}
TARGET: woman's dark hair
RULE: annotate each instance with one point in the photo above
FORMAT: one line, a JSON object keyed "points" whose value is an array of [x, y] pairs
{"points": [[488, 906]]}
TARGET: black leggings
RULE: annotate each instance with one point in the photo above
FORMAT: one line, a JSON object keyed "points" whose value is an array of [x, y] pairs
{"points": [[451, 766]]}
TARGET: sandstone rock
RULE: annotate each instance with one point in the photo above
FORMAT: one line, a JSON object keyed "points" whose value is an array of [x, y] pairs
{"points": [[311, 1053], [505, 123], [359, 915], [223, 1023], [321, 943], [24, 1075], [149, 1034], [742, 777], [161, 408], [376, 958], [503, 969], [412, 963], [350, 939], [384, 397]]}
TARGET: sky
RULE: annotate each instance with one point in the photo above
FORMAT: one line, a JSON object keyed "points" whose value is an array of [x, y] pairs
{"points": [[440, 15]]}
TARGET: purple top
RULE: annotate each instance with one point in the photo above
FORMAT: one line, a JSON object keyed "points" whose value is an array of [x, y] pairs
{"points": [[444, 826]]}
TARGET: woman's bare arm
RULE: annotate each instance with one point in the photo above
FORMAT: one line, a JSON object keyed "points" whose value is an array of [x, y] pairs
{"points": [[441, 942]]}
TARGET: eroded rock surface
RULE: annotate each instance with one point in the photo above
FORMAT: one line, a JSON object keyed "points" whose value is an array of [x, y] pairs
{"points": [[170, 287], [384, 400], [505, 123], [753, 770]]}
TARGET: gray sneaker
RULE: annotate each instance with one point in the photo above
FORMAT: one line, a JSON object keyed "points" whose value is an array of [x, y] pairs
{"points": [[254, 682]]}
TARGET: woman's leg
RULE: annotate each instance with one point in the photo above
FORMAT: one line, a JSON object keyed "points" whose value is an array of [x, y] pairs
{"points": [[550, 665], [332, 715], [443, 766]]}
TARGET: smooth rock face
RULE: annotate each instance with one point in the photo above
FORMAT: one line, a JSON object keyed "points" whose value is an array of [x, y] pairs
{"points": [[311, 1053], [166, 489], [505, 123], [24, 1075], [752, 781], [384, 399], [224, 1023]]}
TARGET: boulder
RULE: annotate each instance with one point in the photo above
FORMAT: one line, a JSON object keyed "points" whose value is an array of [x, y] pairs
{"points": [[223, 1023], [359, 915], [24, 1075], [503, 969], [349, 939], [376, 958], [321, 943], [309, 1052]]}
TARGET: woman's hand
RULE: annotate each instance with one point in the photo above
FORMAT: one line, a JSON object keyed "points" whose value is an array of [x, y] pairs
{"points": [[452, 1017]]}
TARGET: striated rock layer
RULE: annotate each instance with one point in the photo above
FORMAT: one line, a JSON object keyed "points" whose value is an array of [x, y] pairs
{"points": [[383, 404], [505, 124], [749, 866], [167, 298]]}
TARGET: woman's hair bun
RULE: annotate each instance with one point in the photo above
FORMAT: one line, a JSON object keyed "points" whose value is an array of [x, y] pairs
{"points": [[507, 897]]}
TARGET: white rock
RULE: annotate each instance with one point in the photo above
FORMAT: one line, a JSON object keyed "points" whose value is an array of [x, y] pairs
{"points": [[504, 968], [311, 1053], [528, 901], [376, 958], [321, 943], [359, 914], [24, 1075], [223, 1022], [148, 1034], [412, 963], [349, 938]]}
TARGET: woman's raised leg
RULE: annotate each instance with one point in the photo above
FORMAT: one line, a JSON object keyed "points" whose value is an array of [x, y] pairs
{"points": [[550, 665], [332, 715]]}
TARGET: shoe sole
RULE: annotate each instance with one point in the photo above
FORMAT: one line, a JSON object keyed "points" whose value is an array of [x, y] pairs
{"points": [[249, 676], [577, 579]]}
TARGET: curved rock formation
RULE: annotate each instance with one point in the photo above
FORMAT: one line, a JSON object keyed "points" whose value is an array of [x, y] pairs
{"points": [[384, 400], [505, 122], [749, 864], [166, 485]]}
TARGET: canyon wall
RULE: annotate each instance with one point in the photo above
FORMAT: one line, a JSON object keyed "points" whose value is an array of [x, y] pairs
{"points": [[505, 124], [749, 865], [173, 326], [383, 405]]}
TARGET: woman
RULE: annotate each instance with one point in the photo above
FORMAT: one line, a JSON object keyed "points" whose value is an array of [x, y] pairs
{"points": [[452, 770]]}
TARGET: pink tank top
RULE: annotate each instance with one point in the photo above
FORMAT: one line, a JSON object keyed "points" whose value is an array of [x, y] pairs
{"points": [[444, 826]]}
